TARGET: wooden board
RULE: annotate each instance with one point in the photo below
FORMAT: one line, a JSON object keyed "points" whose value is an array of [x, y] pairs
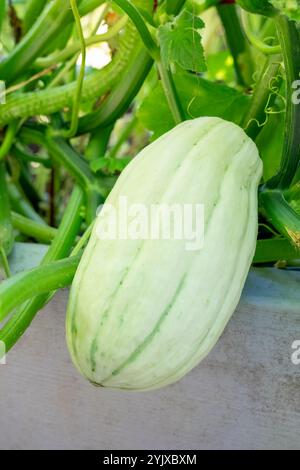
{"points": [[245, 395]]}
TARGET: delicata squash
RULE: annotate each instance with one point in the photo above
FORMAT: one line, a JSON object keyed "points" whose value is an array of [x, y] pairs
{"points": [[143, 312]]}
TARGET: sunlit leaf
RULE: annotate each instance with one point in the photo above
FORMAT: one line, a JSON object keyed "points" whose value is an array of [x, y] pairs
{"points": [[180, 42], [199, 97]]}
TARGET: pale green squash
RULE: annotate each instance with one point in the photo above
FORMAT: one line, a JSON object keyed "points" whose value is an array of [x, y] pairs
{"points": [[142, 313]]}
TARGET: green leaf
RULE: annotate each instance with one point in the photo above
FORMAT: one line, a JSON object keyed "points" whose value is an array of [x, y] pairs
{"points": [[199, 97], [98, 164], [116, 165], [180, 42], [220, 66]]}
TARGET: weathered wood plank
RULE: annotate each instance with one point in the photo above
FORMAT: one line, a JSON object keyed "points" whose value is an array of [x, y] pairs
{"points": [[245, 395]]}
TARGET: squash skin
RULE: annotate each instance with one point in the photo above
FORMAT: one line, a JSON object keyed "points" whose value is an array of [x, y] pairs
{"points": [[144, 313]]}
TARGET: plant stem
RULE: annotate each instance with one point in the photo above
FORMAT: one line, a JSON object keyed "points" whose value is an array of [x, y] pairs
{"points": [[236, 42], [126, 132], [60, 248], [174, 6], [41, 233], [6, 229], [2, 12], [20, 154], [98, 142], [256, 41], [27, 185], [289, 38], [8, 139], [41, 280], [171, 92], [4, 262], [76, 104], [284, 218], [21, 205], [275, 249], [96, 149], [53, 19], [140, 25], [83, 240], [33, 9], [122, 94], [264, 96], [75, 48], [62, 153]]}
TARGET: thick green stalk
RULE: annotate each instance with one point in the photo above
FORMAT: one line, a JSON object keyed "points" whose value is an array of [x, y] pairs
{"points": [[38, 281], [33, 10], [256, 41], [73, 49], [140, 25], [170, 91], [126, 132], [174, 6], [237, 43], [153, 49], [96, 149], [28, 157], [264, 96], [259, 7], [123, 93], [283, 217], [289, 37], [273, 250], [54, 18], [40, 232], [21, 205], [60, 248], [2, 12], [27, 185], [6, 228], [68, 134], [96, 84], [293, 193], [62, 153], [98, 142], [8, 139]]}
